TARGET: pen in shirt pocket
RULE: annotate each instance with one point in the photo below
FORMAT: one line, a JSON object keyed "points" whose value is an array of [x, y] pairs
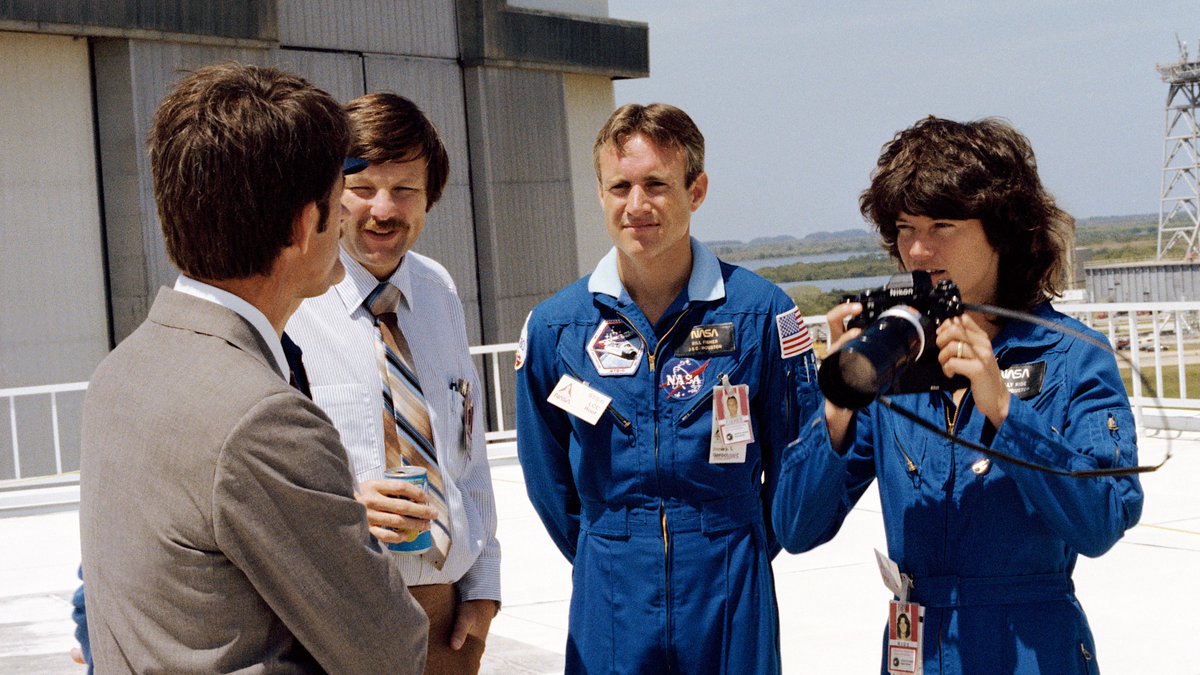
{"points": [[463, 387]]}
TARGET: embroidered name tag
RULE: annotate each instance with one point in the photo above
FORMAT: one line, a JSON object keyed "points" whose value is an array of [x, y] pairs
{"points": [[713, 340], [1024, 380]]}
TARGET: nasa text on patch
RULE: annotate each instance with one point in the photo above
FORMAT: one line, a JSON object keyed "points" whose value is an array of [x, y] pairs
{"points": [[683, 378], [711, 340], [1024, 380]]}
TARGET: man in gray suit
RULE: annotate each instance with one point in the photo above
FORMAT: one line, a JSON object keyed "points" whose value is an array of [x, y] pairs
{"points": [[219, 526]]}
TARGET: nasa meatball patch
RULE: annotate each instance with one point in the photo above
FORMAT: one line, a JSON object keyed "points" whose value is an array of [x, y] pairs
{"points": [[683, 378], [615, 348]]}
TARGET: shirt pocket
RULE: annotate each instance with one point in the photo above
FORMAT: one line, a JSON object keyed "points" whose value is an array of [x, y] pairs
{"points": [[457, 452], [358, 424]]}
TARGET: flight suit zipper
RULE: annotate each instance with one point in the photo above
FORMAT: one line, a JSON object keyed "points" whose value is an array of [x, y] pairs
{"points": [[651, 359]]}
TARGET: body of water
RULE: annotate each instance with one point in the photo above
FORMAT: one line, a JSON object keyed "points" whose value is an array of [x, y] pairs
{"points": [[780, 262], [852, 284], [848, 284]]}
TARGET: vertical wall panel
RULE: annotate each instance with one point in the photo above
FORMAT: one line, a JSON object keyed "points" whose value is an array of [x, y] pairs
{"points": [[589, 102], [522, 189], [338, 74], [414, 27], [53, 314], [53, 310]]}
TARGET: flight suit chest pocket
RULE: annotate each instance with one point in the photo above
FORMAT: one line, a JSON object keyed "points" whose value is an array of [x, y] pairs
{"points": [[736, 367], [620, 389]]}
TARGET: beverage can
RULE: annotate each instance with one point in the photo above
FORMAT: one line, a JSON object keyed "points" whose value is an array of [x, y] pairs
{"points": [[420, 542]]}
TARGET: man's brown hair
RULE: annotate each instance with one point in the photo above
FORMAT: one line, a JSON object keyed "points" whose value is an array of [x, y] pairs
{"points": [[984, 169], [387, 127], [666, 125], [236, 152]]}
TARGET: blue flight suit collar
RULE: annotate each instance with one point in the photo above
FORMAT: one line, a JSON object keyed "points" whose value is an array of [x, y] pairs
{"points": [[1029, 335], [705, 283]]}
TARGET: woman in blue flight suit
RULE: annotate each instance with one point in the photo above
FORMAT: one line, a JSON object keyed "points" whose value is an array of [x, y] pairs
{"points": [[990, 545], [671, 552]]}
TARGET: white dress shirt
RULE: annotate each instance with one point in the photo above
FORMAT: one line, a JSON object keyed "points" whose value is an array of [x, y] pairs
{"points": [[238, 306], [338, 337]]}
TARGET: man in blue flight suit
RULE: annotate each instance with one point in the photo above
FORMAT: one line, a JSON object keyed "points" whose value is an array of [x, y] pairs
{"points": [[646, 481]]}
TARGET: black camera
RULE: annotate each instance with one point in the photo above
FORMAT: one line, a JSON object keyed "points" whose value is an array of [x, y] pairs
{"points": [[896, 353]]}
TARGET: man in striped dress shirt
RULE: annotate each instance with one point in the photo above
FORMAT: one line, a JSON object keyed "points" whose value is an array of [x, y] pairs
{"points": [[338, 332]]}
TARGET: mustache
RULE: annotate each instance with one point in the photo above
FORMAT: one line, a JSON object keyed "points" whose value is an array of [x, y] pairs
{"points": [[386, 225]]}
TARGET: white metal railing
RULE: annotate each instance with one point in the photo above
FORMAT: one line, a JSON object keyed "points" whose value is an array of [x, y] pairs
{"points": [[1167, 334], [501, 440], [497, 436], [51, 390]]}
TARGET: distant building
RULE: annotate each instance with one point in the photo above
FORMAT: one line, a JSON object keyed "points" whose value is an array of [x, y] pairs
{"points": [[1144, 282], [518, 90]]}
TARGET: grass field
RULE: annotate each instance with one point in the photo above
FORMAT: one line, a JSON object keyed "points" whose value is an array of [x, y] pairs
{"points": [[1170, 388]]}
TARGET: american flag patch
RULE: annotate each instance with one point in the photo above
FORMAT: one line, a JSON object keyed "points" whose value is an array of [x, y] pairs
{"points": [[794, 339]]}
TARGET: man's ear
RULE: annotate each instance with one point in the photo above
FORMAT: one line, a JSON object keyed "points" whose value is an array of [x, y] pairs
{"points": [[304, 226], [698, 191]]}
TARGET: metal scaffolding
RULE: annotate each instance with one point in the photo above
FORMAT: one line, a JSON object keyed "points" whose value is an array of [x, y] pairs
{"points": [[1179, 204]]}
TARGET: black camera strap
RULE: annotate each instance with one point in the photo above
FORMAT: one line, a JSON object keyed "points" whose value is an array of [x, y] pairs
{"points": [[1093, 473], [995, 454]]}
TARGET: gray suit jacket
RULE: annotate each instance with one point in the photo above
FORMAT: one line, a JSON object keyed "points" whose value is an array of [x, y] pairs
{"points": [[219, 527]]}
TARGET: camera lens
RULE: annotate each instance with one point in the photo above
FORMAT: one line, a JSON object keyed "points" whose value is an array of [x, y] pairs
{"points": [[866, 366]]}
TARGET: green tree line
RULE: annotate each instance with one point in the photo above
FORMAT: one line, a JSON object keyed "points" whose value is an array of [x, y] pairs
{"points": [[869, 265]]}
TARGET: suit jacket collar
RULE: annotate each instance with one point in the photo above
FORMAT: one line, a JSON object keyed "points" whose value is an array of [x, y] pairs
{"points": [[186, 312]]}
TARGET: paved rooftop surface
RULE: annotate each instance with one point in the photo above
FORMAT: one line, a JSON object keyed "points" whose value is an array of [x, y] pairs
{"points": [[1142, 597]]}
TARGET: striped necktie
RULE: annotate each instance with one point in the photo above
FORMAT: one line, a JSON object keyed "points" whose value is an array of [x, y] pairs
{"points": [[407, 434]]}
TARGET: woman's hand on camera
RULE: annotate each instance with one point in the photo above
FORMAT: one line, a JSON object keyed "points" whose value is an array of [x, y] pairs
{"points": [[838, 419], [836, 320], [966, 350]]}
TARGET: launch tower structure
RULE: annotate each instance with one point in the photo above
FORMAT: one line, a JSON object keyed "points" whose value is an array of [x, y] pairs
{"points": [[1179, 203]]}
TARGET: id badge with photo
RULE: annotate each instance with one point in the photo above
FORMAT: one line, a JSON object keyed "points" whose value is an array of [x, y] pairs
{"points": [[906, 628], [731, 427]]}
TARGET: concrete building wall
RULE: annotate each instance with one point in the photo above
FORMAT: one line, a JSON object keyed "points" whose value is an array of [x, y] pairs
{"points": [[51, 254], [517, 90], [339, 73], [413, 27], [589, 101], [522, 189], [53, 310], [580, 7]]}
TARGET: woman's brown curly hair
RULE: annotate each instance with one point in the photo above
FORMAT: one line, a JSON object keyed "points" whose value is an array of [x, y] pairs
{"points": [[986, 170]]}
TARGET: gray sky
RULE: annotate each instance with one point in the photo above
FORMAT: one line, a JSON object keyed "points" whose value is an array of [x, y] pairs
{"points": [[795, 97]]}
